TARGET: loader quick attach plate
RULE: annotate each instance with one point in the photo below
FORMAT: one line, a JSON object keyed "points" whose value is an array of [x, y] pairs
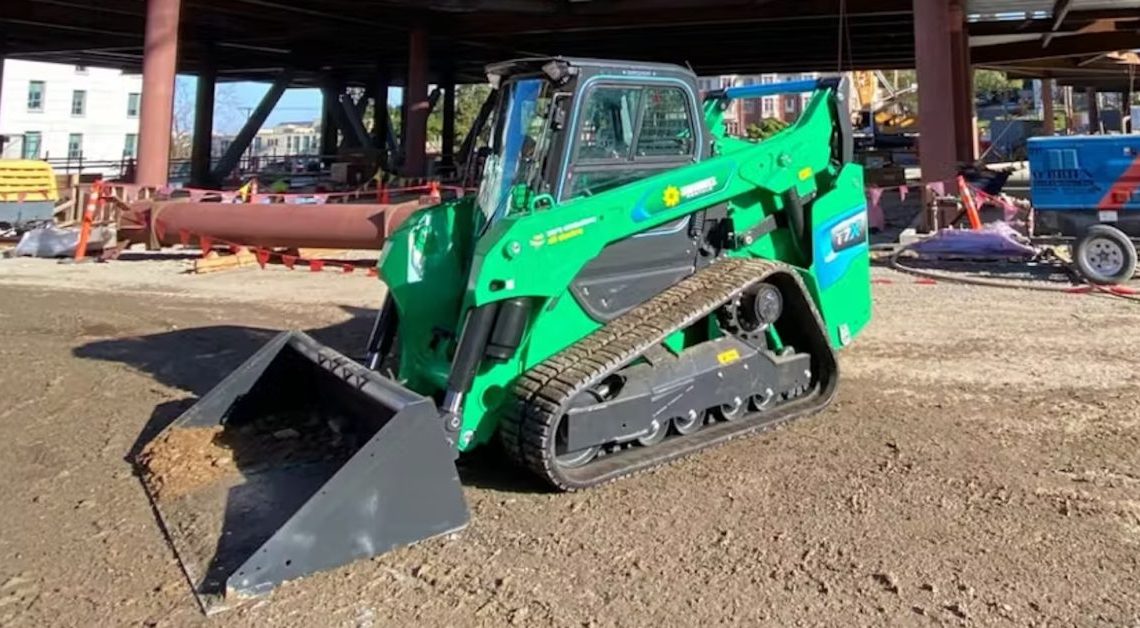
{"points": [[301, 460]]}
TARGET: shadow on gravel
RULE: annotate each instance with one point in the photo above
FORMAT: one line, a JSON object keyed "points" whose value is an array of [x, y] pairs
{"points": [[197, 359]]}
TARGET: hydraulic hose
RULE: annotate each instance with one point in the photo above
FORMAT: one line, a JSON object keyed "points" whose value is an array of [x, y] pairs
{"points": [[1085, 288]]}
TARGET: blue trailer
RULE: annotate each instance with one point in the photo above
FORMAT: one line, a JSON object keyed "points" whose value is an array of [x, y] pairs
{"points": [[1088, 187]]}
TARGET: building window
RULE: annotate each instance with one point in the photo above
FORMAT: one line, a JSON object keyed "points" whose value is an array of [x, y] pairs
{"points": [[131, 146], [35, 95], [75, 146], [78, 102], [768, 105], [767, 79], [790, 103], [133, 101], [32, 142]]}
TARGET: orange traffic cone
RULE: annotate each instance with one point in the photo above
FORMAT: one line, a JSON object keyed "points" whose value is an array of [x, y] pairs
{"points": [[971, 207], [88, 220]]}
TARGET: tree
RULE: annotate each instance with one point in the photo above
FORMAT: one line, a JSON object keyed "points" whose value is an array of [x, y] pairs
{"points": [[767, 128], [994, 82], [227, 114]]}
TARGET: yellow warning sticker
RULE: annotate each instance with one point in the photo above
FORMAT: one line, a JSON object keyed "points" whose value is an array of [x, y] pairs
{"points": [[728, 357], [805, 174]]}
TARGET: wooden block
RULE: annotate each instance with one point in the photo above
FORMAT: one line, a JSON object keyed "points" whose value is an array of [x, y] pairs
{"points": [[213, 263], [321, 253]]}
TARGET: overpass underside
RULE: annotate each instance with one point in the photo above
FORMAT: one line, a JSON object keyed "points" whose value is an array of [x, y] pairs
{"points": [[335, 45]]}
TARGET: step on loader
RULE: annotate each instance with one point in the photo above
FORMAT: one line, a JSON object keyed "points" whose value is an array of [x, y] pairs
{"points": [[631, 284]]}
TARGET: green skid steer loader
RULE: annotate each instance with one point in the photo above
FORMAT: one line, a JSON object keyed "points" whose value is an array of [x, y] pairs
{"points": [[629, 285]]}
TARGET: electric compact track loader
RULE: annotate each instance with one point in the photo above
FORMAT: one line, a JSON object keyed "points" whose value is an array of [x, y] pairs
{"points": [[629, 285]]}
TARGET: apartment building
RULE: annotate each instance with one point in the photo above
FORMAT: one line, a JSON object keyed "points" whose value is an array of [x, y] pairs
{"points": [[69, 114]]}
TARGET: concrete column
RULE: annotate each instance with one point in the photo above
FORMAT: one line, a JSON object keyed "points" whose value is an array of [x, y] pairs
{"points": [[1049, 123], [160, 63], [448, 147], [934, 61], [965, 120], [328, 126], [1094, 110], [380, 128], [2, 140], [1127, 124], [416, 105], [1067, 97], [203, 128]]}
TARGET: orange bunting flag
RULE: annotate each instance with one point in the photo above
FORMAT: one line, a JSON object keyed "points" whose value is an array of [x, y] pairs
{"points": [[289, 261], [316, 266], [262, 257]]}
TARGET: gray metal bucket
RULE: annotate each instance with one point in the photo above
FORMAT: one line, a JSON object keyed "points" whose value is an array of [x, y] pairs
{"points": [[301, 460]]}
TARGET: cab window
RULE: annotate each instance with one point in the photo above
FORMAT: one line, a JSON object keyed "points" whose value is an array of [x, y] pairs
{"points": [[627, 133], [606, 132]]}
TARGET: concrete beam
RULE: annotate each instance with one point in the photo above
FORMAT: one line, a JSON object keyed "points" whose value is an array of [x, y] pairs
{"points": [[203, 129], [448, 147], [965, 120], [160, 64], [1094, 109], [934, 61], [3, 139], [381, 126], [350, 122], [1050, 119], [229, 160], [1068, 46], [416, 105], [329, 104]]}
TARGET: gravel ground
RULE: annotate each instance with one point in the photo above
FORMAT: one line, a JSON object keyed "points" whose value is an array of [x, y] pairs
{"points": [[980, 466]]}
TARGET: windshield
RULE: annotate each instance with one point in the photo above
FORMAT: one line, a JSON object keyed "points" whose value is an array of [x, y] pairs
{"points": [[520, 144]]}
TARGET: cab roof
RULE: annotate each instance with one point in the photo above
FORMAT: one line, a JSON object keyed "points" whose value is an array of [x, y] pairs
{"points": [[531, 65]]}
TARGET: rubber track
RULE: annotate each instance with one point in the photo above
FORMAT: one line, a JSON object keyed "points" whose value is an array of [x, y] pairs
{"points": [[544, 392]]}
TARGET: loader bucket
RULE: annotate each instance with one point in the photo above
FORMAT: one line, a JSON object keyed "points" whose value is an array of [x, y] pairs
{"points": [[301, 460]]}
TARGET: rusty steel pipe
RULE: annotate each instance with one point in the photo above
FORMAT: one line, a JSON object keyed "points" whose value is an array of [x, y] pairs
{"points": [[335, 226]]}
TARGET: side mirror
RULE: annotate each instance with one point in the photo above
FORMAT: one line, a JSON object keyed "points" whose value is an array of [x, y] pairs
{"points": [[558, 117]]}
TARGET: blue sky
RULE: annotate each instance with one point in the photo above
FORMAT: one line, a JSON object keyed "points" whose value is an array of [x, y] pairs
{"points": [[234, 101]]}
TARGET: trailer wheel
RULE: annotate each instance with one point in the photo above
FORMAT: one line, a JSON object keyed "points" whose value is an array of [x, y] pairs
{"points": [[1105, 255]]}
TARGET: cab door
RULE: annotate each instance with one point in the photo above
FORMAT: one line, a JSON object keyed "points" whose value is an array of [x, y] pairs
{"points": [[626, 130]]}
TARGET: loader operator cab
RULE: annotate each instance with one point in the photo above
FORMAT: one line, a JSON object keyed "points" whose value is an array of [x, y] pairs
{"points": [[567, 128]]}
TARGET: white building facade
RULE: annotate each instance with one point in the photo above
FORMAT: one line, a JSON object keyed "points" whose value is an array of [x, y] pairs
{"points": [[69, 115]]}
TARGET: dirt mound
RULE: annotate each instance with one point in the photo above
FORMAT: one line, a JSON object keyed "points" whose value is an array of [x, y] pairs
{"points": [[185, 459]]}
